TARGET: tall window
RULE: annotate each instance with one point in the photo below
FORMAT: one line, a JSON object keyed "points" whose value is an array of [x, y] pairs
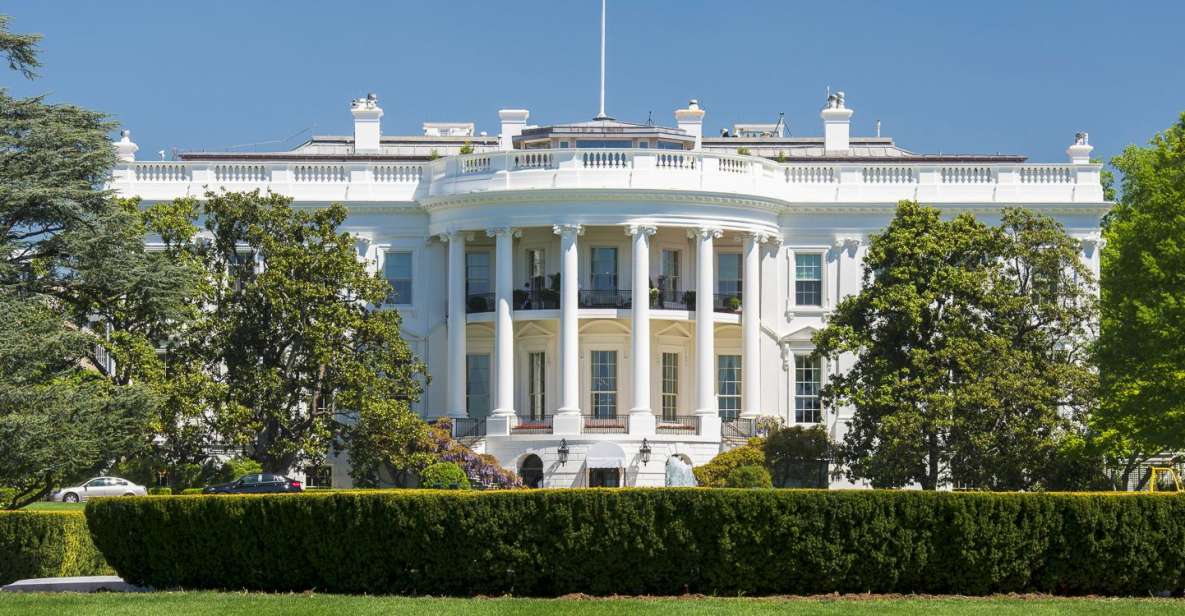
{"points": [[536, 272], [670, 282], [728, 386], [477, 385], [670, 386], [536, 385], [807, 379], [808, 279], [604, 384], [604, 268], [729, 274], [397, 269], [477, 273]]}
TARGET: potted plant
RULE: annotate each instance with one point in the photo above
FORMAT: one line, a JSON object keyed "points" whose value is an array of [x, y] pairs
{"points": [[689, 299], [734, 304]]}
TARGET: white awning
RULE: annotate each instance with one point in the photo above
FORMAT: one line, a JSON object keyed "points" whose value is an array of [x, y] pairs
{"points": [[605, 455]]}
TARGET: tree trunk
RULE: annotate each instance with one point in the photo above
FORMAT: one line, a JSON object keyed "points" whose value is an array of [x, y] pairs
{"points": [[931, 482]]}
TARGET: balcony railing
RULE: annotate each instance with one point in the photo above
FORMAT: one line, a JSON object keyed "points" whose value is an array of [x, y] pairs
{"points": [[533, 425], [676, 424], [469, 427], [727, 302], [479, 302], [595, 298], [605, 425], [673, 299], [536, 299]]}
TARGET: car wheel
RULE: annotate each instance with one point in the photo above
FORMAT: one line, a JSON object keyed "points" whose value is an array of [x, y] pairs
{"points": [[70, 498], [129, 494]]}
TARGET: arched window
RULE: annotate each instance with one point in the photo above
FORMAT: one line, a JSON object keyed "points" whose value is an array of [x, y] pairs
{"points": [[531, 471]]}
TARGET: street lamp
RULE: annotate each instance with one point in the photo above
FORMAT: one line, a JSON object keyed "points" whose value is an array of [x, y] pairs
{"points": [[645, 452], [563, 451]]}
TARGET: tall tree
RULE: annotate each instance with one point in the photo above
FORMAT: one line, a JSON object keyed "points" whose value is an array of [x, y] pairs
{"points": [[59, 414], [296, 357], [969, 346], [1142, 342]]}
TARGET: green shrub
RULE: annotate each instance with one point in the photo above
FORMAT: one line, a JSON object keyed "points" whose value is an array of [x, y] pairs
{"points": [[797, 457], [160, 491], [191, 491], [748, 477], [37, 544], [714, 473], [6, 496], [652, 541], [444, 476]]}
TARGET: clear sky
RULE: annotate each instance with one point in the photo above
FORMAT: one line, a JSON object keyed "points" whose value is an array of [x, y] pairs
{"points": [[955, 77]]}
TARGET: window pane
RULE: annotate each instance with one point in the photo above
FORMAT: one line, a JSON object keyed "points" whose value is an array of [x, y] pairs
{"points": [[477, 273], [808, 279], [729, 274], [728, 386], [807, 381], [604, 269], [670, 385], [536, 385], [604, 384], [477, 385], [397, 270]]}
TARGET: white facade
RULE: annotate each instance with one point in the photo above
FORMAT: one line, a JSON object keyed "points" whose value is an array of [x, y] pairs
{"points": [[527, 361]]}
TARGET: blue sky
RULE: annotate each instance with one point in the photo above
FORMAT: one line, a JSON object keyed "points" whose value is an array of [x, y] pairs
{"points": [[1003, 76]]}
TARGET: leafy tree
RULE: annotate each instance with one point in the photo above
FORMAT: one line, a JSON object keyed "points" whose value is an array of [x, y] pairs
{"points": [[1142, 342], [970, 347], [294, 358]]}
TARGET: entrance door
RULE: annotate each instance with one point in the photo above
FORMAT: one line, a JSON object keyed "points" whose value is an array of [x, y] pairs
{"points": [[604, 478]]}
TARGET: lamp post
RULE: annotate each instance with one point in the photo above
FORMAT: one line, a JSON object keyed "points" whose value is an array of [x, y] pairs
{"points": [[563, 451], [644, 452]]}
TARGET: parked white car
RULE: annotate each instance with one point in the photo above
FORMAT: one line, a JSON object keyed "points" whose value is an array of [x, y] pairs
{"points": [[99, 486]]}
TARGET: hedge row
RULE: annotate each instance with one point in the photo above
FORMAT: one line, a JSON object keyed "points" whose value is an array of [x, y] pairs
{"points": [[660, 541], [37, 544]]}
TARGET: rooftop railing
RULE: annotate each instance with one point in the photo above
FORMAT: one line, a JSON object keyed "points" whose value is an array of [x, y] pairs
{"points": [[797, 181]]}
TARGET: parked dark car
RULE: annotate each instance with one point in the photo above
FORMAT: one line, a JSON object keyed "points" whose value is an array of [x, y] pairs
{"points": [[260, 483]]}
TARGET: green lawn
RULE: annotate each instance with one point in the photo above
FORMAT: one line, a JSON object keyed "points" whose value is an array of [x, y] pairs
{"points": [[199, 604], [48, 506]]}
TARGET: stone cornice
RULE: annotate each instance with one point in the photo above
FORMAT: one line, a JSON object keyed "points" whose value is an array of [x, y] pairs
{"points": [[434, 204]]}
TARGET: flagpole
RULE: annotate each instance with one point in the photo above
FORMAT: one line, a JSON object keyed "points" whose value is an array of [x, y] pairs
{"points": [[601, 115]]}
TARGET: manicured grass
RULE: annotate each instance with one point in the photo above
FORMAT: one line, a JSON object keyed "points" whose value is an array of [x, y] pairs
{"points": [[202, 603], [48, 506]]}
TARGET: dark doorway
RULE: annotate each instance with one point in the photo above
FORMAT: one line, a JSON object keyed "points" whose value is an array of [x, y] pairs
{"points": [[604, 478], [531, 471]]}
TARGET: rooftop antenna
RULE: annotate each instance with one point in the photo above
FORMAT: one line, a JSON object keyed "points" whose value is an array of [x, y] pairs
{"points": [[878, 128], [601, 114]]}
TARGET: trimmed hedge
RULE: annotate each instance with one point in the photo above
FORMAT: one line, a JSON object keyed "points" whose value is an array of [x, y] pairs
{"points": [[650, 541], [36, 544], [749, 477]]}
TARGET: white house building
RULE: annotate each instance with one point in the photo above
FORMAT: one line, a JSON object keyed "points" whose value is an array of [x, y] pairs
{"points": [[593, 298]]}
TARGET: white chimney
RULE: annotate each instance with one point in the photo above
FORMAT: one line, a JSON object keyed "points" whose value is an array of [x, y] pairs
{"points": [[691, 121], [1079, 153], [367, 130], [836, 125], [513, 122], [124, 148]]}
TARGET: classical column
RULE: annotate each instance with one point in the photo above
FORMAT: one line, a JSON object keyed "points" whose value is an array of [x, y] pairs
{"points": [[455, 398], [502, 418], [641, 417], [751, 326], [705, 342], [568, 421]]}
